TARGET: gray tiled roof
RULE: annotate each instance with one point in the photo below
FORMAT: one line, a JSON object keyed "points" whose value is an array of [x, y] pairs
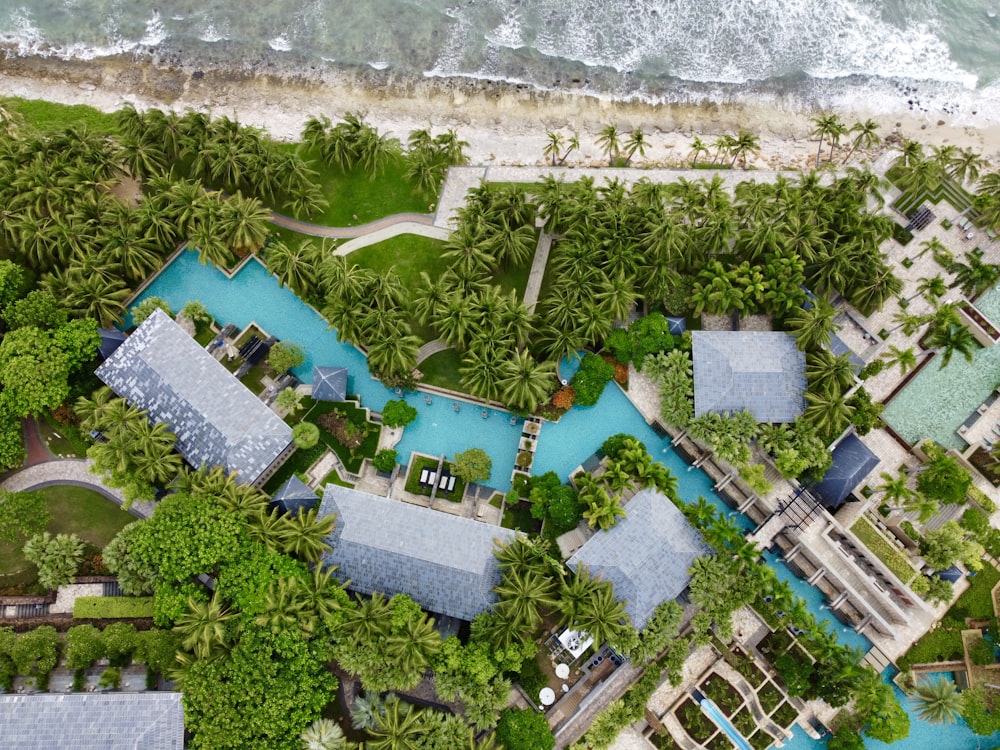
{"points": [[218, 421], [293, 495], [444, 562], [852, 462], [760, 371], [645, 556], [329, 383], [92, 721]]}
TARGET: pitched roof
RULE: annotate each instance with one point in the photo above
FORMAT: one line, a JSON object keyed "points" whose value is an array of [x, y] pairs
{"points": [[676, 326], [93, 721], [760, 371], [217, 420], [111, 339], [293, 495], [852, 462], [329, 383], [444, 562], [645, 556]]}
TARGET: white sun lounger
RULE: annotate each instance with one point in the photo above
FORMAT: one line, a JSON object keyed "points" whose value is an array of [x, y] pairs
{"points": [[451, 483], [423, 476]]}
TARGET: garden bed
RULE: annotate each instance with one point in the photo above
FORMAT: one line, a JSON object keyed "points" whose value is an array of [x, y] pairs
{"points": [[722, 694], [770, 698], [352, 426], [894, 559], [786, 715], [418, 464], [695, 723]]}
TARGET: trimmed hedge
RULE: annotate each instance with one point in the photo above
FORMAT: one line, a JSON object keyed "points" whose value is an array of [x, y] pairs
{"points": [[893, 558], [113, 607]]}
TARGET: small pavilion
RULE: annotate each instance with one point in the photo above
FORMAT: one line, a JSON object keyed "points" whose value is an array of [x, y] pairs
{"points": [[852, 462], [329, 384]]}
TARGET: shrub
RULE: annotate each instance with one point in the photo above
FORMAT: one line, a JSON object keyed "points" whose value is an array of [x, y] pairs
{"points": [[398, 414], [564, 398], [385, 460], [112, 607], [36, 653], [524, 458], [119, 641], [284, 356], [147, 307], [590, 379], [982, 653], [57, 557], [613, 446], [111, 678], [523, 729], [305, 435]]}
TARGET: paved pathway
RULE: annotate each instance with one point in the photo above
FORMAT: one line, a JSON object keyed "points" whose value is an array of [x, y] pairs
{"points": [[534, 285], [404, 227], [36, 449], [74, 471], [431, 348], [317, 230]]}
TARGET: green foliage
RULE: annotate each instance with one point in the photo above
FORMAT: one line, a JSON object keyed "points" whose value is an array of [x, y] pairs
{"points": [[261, 693], [473, 674], [950, 543], [867, 414], [939, 590], [119, 641], [157, 649], [57, 557], [36, 653], [36, 364], [22, 514], [886, 720], [894, 559], [198, 314], [590, 379], [660, 631], [11, 282], [980, 710], [134, 576], [557, 502], [305, 435], [796, 671], [845, 738], [943, 478], [473, 465], [38, 308], [284, 356], [797, 448], [171, 601], [523, 729], [753, 475], [112, 607], [614, 445], [385, 460], [111, 678], [674, 373], [187, 536], [981, 499], [8, 669], [728, 435], [646, 336], [982, 653], [83, 646], [398, 413], [147, 307]]}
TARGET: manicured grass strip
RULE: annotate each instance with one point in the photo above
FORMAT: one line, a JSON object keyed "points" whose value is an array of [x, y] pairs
{"points": [[112, 607], [73, 510], [883, 549], [441, 370], [408, 254], [49, 117], [977, 601]]}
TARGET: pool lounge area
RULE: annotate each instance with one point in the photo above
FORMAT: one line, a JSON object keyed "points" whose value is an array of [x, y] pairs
{"points": [[936, 401]]}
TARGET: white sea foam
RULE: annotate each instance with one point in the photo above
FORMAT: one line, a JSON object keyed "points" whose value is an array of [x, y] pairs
{"points": [[378, 64], [156, 32], [281, 43]]}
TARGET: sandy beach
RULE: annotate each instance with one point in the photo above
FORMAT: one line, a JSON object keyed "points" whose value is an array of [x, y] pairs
{"points": [[503, 123]]}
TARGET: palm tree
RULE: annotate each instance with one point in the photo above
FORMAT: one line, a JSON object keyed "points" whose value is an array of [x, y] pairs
{"points": [[636, 142], [398, 727], [829, 413], [866, 136], [826, 371], [572, 144], [525, 592], [974, 277], [931, 288], [813, 327], [938, 701], [283, 608], [553, 145], [905, 358], [412, 649], [395, 356], [827, 125], [609, 141], [203, 626], [304, 535], [951, 339], [367, 711], [323, 734], [243, 224], [965, 166], [895, 488], [525, 382], [744, 143], [698, 148], [294, 266]]}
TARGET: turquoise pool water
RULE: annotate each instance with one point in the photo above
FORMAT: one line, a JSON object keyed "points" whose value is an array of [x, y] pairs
{"points": [[936, 402], [712, 712], [989, 305]]}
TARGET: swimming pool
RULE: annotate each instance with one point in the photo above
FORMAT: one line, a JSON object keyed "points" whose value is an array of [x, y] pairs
{"points": [[712, 712], [937, 401]]}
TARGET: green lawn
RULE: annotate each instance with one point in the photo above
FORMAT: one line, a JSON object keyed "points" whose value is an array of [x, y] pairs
{"points": [[74, 510], [514, 278], [408, 254], [49, 117], [441, 370], [353, 193]]}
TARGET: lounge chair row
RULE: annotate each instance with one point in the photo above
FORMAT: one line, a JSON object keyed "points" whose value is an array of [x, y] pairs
{"points": [[428, 479]]}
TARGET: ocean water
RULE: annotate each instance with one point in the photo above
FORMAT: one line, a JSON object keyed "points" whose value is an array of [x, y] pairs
{"points": [[938, 56]]}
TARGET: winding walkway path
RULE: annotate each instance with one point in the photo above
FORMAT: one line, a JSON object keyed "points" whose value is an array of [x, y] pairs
{"points": [[346, 233], [74, 471], [435, 346]]}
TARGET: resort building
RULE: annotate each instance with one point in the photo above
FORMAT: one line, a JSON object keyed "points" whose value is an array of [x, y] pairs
{"points": [[293, 497], [93, 721], [645, 556], [329, 384], [217, 420], [852, 462], [444, 562], [760, 371]]}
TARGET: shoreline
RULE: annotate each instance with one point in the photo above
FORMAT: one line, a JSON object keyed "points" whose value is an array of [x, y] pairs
{"points": [[503, 123]]}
